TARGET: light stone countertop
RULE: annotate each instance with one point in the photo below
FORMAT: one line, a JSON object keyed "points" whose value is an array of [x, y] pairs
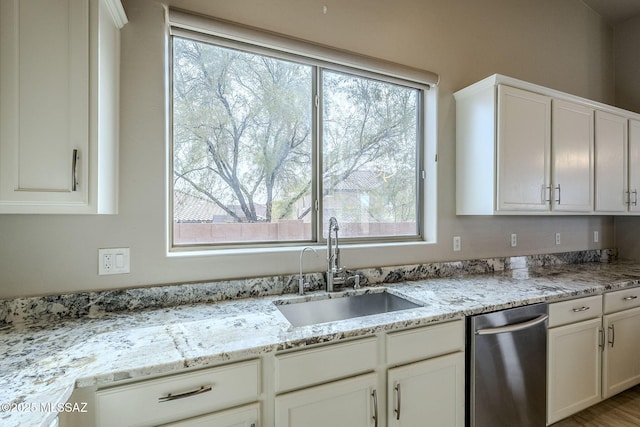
{"points": [[41, 363]]}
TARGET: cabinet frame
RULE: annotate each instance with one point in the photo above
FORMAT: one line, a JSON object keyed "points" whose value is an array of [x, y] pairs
{"points": [[80, 174]]}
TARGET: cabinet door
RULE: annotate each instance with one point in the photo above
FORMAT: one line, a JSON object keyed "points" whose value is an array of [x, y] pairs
{"points": [[347, 403], [572, 157], [610, 162], [524, 143], [621, 365], [246, 416], [634, 164], [44, 110], [574, 368], [427, 393]]}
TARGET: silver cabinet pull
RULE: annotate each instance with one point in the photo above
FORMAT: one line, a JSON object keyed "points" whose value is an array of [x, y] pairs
{"points": [[74, 170], [558, 188], [374, 394], [635, 197], [583, 308], [601, 338], [513, 327], [613, 335], [169, 397], [546, 193], [630, 298], [398, 401]]}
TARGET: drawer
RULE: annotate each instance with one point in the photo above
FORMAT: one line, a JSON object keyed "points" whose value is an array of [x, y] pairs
{"points": [[621, 300], [421, 343], [323, 364], [575, 310], [139, 403]]}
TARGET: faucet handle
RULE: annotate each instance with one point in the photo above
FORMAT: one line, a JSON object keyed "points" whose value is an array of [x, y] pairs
{"points": [[356, 281]]}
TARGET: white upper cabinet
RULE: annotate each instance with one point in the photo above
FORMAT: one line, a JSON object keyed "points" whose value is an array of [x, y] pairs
{"points": [[59, 71], [634, 165], [611, 163], [617, 164], [524, 143], [572, 157], [523, 149]]}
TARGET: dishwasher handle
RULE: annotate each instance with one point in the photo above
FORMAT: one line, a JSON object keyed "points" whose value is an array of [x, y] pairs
{"points": [[513, 327]]}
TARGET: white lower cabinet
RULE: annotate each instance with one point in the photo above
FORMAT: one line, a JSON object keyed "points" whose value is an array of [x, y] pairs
{"points": [[351, 402], [574, 368], [622, 351], [593, 350], [574, 356], [246, 416], [182, 396], [413, 377], [427, 393]]}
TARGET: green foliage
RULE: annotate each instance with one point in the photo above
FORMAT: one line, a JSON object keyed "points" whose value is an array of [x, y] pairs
{"points": [[242, 131]]}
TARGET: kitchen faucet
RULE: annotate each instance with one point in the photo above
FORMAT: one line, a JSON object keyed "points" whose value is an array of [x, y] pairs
{"points": [[300, 277], [335, 273]]}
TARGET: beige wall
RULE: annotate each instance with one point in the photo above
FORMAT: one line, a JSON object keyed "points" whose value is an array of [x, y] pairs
{"points": [[560, 44], [627, 64], [627, 93]]}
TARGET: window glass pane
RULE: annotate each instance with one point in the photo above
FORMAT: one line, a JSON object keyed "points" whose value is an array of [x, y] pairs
{"points": [[242, 154], [369, 156]]}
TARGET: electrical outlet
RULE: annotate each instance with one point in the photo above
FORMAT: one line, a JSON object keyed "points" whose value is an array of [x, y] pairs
{"points": [[514, 240], [456, 243], [557, 238], [596, 237], [113, 261]]}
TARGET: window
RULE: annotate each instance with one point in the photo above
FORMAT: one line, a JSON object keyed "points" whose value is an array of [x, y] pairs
{"points": [[268, 145]]}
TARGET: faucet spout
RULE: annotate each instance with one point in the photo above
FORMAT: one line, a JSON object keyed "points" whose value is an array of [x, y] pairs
{"points": [[300, 277]]}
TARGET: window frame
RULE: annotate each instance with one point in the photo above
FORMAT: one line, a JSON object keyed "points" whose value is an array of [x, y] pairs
{"points": [[427, 99]]}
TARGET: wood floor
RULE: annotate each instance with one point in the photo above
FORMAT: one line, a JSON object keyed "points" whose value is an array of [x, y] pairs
{"points": [[622, 410]]}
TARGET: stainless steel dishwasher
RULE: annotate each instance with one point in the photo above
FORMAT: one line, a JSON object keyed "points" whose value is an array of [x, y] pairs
{"points": [[507, 368]]}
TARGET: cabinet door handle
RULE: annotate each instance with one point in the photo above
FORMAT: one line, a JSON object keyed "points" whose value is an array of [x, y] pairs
{"points": [[74, 170], [546, 193], [558, 188], [613, 335], [374, 394], [630, 298], [169, 397], [398, 401], [583, 308], [601, 338], [635, 197]]}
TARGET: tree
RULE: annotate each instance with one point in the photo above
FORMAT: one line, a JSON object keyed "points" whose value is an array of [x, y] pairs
{"points": [[243, 123], [241, 129]]}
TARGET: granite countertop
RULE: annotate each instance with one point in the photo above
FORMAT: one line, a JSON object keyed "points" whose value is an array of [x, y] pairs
{"points": [[43, 361]]}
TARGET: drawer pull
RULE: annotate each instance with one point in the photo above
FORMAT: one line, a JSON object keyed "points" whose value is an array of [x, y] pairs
{"points": [[169, 397], [398, 401], [632, 297], [374, 394], [583, 308]]}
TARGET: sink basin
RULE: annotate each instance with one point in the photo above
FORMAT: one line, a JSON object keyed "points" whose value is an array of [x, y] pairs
{"points": [[341, 308]]}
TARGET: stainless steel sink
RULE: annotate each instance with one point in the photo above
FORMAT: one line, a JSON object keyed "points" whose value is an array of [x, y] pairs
{"points": [[347, 307]]}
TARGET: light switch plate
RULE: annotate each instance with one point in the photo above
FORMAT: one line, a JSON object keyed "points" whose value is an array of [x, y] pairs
{"points": [[113, 261]]}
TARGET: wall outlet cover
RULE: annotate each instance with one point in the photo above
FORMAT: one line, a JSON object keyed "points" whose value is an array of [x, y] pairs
{"points": [[113, 261]]}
